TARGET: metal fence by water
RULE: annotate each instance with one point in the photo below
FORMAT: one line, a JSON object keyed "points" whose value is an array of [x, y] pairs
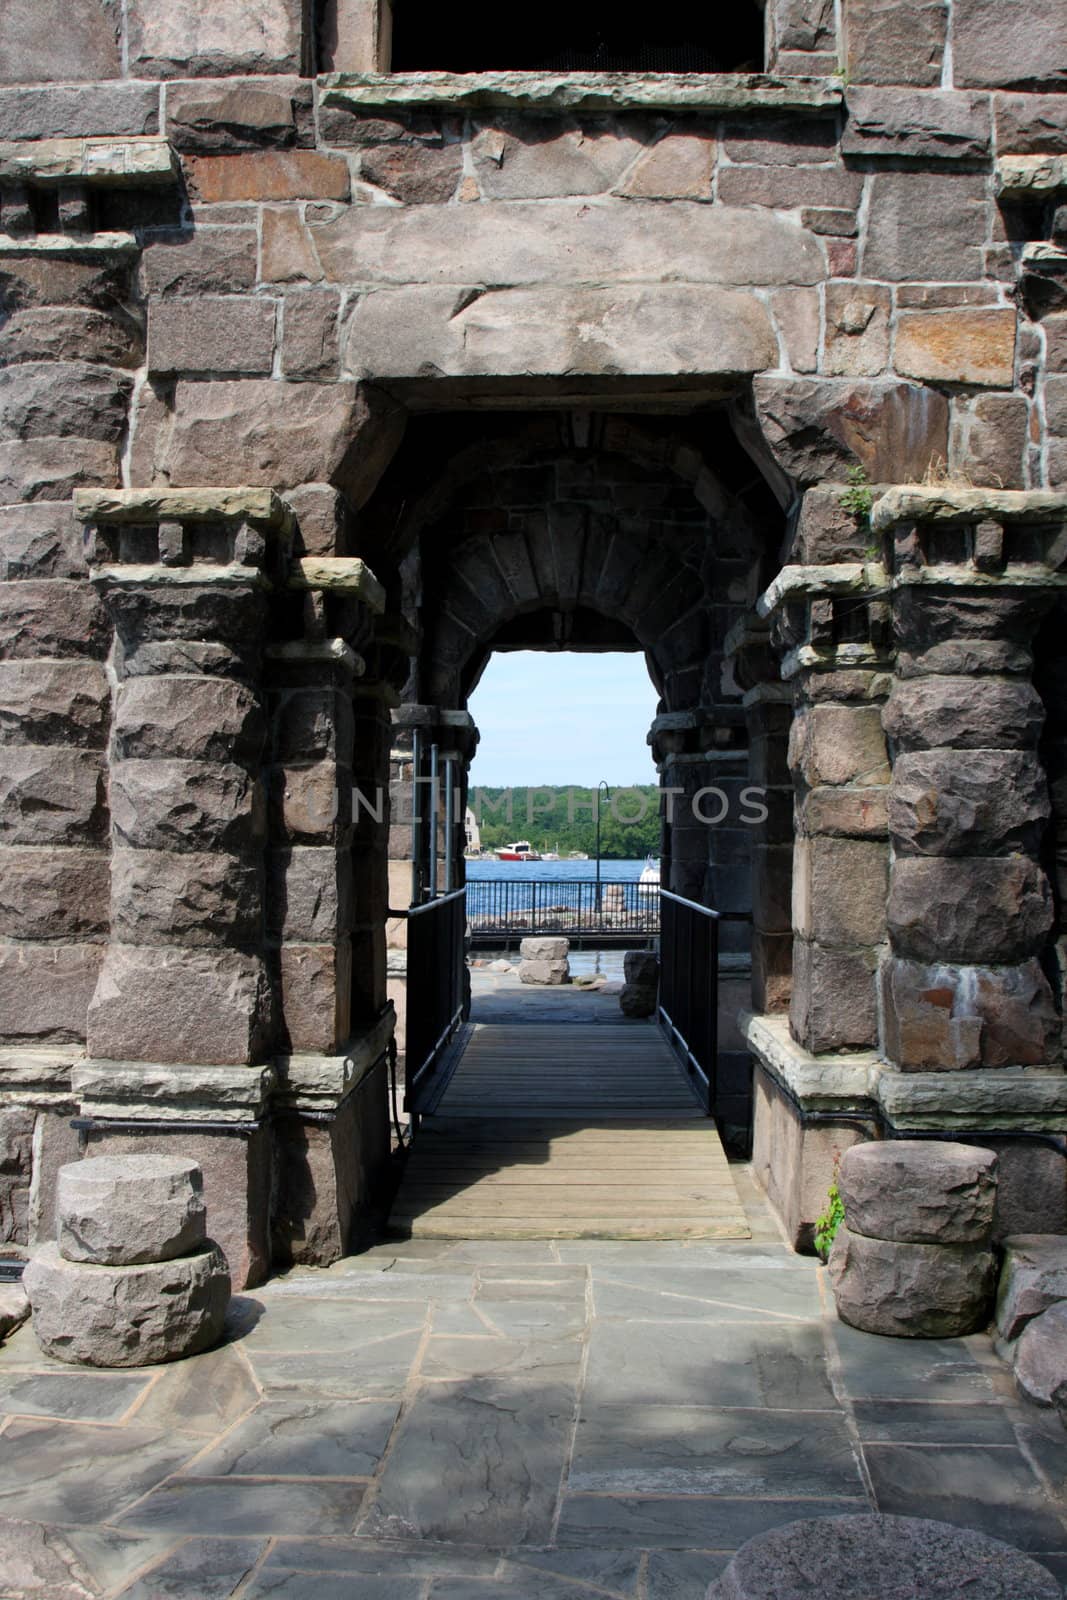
{"points": [[500, 910]]}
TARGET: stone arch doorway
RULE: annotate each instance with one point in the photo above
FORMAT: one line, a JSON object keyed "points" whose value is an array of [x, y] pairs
{"points": [[591, 529]]}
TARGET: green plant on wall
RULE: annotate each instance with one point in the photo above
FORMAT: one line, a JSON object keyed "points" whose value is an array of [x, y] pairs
{"points": [[827, 1224], [858, 498]]}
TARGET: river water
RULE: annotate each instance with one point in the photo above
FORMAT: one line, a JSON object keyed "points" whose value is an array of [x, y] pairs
{"points": [[489, 868]]}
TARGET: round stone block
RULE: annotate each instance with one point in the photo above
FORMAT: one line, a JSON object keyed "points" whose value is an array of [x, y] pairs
{"points": [[911, 1291], [127, 1316], [919, 1191], [117, 1211], [880, 1558], [544, 948]]}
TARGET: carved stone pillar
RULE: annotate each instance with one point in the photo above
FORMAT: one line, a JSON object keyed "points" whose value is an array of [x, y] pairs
{"points": [[224, 1014], [970, 906]]}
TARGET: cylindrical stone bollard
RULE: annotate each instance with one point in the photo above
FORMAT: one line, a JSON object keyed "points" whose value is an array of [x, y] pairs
{"points": [[880, 1558], [118, 1211], [912, 1259]]}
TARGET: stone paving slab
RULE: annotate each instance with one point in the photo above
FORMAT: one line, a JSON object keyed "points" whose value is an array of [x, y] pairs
{"points": [[496, 1419]]}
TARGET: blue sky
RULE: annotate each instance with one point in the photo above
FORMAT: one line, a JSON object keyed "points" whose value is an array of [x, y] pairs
{"points": [[560, 718]]}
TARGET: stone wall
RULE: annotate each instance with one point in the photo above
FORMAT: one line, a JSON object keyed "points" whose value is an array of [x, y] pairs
{"points": [[644, 335]]}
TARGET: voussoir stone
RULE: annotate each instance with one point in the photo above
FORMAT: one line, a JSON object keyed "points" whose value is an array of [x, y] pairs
{"points": [[919, 1191], [121, 1211], [134, 1316], [1040, 1357], [911, 1291], [871, 1557], [1033, 1277]]}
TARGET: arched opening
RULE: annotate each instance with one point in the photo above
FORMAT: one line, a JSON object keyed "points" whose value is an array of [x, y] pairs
{"points": [[590, 531], [594, 38]]}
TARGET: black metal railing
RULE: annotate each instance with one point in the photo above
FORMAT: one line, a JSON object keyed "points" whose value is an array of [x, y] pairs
{"points": [[689, 988], [499, 909], [436, 989]]}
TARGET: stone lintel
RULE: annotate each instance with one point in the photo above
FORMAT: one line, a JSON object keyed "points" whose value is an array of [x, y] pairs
{"points": [[1030, 177], [83, 246], [763, 694], [796, 583], [917, 503], [320, 1083], [261, 506], [683, 721], [583, 91], [747, 631], [834, 658], [328, 652], [201, 575], [988, 1100], [338, 575], [143, 1091], [133, 162]]}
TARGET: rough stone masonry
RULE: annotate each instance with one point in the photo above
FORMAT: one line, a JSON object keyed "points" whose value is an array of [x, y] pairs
{"points": [[320, 380]]}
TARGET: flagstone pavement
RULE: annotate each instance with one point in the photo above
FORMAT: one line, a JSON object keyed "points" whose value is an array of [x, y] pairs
{"points": [[474, 1421]]}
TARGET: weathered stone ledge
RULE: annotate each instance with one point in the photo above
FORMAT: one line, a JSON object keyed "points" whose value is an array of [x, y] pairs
{"points": [[338, 575], [137, 575], [318, 1083], [798, 582], [121, 163], [835, 658], [331, 652], [1030, 177], [818, 1083], [141, 1091], [88, 246], [917, 503], [43, 1069], [582, 91], [990, 1100], [261, 506], [795, 583]]}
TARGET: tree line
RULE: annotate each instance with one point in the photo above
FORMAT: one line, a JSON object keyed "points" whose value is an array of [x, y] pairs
{"points": [[564, 819]]}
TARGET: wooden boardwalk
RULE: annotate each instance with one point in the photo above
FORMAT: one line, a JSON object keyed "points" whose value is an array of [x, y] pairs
{"points": [[548, 1131]]}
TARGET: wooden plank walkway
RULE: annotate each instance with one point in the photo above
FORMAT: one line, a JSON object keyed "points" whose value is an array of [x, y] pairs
{"points": [[567, 1132]]}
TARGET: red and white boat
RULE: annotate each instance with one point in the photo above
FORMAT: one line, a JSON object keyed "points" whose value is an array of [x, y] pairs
{"points": [[521, 850]]}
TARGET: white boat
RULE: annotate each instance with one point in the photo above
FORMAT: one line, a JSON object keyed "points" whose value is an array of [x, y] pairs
{"points": [[649, 878], [521, 850]]}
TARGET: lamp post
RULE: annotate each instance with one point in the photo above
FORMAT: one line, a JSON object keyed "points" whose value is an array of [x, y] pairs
{"points": [[601, 785]]}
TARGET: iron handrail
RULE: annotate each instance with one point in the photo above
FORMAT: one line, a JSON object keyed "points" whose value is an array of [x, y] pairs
{"points": [[436, 988], [688, 1005]]}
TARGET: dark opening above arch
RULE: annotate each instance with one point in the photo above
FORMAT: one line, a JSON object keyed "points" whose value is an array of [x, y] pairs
{"points": [[553, 36]]}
